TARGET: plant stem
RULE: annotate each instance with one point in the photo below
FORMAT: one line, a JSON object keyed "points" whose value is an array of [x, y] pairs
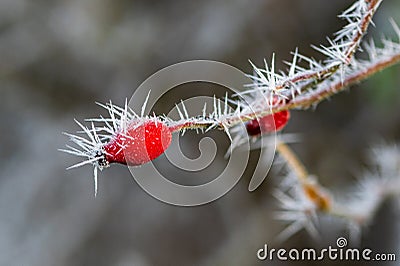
{"points": [[311, 189], [293, 161]]}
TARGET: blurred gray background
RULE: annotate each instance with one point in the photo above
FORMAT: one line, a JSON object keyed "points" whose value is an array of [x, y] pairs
{"points": [[59, 57]]}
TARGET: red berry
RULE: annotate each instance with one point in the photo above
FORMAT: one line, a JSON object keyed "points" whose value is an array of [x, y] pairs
{"points": [[269, 123], [139, 144]]}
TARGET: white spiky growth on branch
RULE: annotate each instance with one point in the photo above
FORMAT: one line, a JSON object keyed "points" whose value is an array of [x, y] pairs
{"points": [[92, 147], [271, 92]]}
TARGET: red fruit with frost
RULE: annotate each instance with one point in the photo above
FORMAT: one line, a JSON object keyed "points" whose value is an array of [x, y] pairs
{"points": [[268, 123], [139, 144]]}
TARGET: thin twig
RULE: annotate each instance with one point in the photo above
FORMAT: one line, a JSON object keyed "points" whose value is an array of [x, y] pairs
{"points": [[300, 102], [292, 160], [311, 189]]}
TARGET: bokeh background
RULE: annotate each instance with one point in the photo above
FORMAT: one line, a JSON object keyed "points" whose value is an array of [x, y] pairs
{"points": [[58, 57]]}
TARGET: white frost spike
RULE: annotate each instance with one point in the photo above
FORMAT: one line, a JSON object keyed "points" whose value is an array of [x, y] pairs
{"points": [[179, 112], [204, 110], [293, 65], [395, 28], [90, 161], [226, 104], [124, 117], [215, 107], [272, 77], [144, 104], [95, 181], [185, 110], [91, 147], [335, 51], [311, 61], [259, 77], [297, 212]]}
